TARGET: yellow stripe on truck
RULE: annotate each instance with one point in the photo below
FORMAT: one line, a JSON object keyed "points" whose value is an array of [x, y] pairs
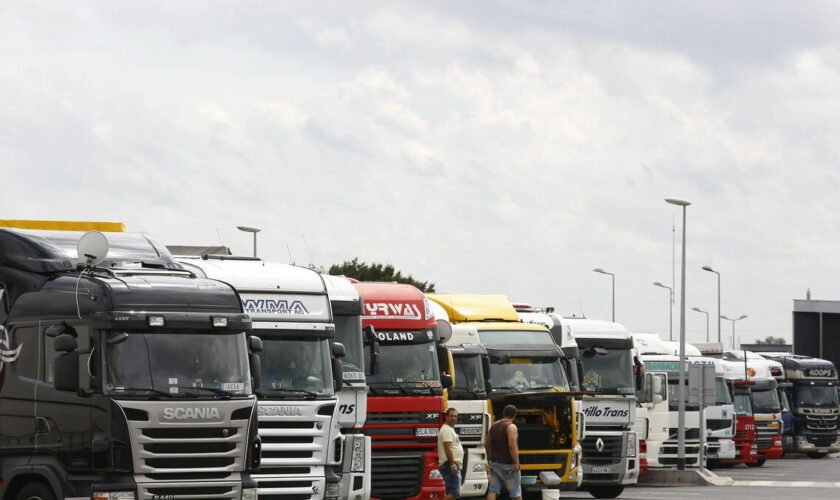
{"points": [[65, 225]]}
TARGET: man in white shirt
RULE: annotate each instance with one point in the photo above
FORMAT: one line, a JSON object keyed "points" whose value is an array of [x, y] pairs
{"points": [[450, 455]]}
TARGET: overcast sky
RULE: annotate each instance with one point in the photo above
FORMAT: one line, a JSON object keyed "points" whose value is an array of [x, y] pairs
{"points": [[500, 147]]}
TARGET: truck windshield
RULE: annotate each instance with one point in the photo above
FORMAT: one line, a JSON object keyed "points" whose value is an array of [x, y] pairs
{"points": [[722, 396], [348, 331], [766, 401], [743, 407], [609, 373], [815, 395], [177, 365], [469, 375], [783, 400], [291, 367], [406, 364], [528, 374]]}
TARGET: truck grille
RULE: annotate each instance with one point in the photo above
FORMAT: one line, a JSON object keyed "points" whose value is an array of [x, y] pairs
{"points": [[822, 441], [179, 490], [716, 424], [764, 434], [289, 488], [399, 436], [169, 448], [692, 433], [609, 455], [821, 422], [396, 475], [402, 418], [545, 459], [293, 441]]}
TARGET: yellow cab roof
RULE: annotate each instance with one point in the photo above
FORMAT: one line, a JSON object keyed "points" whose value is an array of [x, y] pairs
{"points": [[475, 307], [65, 225]]}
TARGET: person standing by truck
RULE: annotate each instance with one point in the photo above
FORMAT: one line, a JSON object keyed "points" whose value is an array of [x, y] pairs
{"points": [[450, 455], [503, 455]]}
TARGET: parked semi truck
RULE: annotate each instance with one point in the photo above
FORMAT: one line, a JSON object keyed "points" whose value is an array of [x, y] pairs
{"points": [[470, 396], [123, 376], [812, 394], [745, 445], [610, 369], [764, 397], [348, 308], [406, 392], [300, 373], [526, 370]]}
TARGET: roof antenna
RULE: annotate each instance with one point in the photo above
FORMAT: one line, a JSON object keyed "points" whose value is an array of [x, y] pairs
{"points": [[291, 260], [92, 248], [580, 304], [311, 259]]}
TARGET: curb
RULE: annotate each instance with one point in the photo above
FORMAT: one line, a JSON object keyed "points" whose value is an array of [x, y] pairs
{"points": [[689, 477]]}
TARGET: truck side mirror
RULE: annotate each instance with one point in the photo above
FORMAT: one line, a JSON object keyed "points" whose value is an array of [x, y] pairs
{"points": [[255, 344], [338, 372], [374, 358], [254, 364], [485, 364], [338, 350], [657, 386], [446, 381], [65, 343], [66, 370]]}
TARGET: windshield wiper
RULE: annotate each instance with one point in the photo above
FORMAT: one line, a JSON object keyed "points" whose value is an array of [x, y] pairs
{"points": [[505, 387], [221, 392], [145, 389], [311, 394]]}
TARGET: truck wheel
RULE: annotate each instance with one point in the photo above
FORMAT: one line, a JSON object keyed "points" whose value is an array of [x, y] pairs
{"points": [[611, 491], [757, 464], [816, 455], [35, 491]]}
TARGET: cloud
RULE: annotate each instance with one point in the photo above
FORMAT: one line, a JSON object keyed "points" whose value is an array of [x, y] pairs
{"points": [[504, 147]]}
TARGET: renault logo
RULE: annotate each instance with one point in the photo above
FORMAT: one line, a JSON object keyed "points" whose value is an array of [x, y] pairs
{"points": [[599, 445]]}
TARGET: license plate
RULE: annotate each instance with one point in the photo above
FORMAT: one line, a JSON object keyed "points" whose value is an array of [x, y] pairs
{"points": [[597, 470], [426, 432], [470, 431]]}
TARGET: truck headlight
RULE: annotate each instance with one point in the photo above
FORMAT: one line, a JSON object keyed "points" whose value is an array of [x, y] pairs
{"points": [[249, 494], [435, 474], [114, 495], [357, 461], [631, 444], [573, 464], [479, 467], [331, 491]]}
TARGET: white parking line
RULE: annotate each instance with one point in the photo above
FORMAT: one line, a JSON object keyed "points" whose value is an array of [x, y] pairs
{"points": [[789, 484]]}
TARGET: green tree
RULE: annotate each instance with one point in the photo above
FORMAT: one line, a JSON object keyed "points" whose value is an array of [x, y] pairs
{"points": [[374, 271], [771, 341]]}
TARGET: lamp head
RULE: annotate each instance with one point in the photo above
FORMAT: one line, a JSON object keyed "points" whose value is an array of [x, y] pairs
{"points": [[249, 229], [599, 270], [678, 202], [697, 309], [708, 268]]}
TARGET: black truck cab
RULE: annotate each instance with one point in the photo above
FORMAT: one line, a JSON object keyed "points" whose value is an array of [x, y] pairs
{"points": [[127, 380]]}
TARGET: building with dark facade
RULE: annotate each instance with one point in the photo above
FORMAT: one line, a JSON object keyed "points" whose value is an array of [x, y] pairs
{"points": [[816, 329]]}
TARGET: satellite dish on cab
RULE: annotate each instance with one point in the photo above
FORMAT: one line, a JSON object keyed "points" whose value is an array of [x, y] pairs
{"points": [[92, 248]]}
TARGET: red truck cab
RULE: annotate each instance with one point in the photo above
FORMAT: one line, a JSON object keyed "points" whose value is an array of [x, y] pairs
{"points": [[745, 436], [405, 399]]}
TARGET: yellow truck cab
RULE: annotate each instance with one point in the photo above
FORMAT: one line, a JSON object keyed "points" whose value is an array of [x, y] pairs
{"points": [[526, 370]]}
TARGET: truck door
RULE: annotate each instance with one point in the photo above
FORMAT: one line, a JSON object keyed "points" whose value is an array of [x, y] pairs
{"points": [[18, 374], [63, 419]]}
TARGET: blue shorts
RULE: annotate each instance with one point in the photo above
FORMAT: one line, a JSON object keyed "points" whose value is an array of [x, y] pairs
{"points": [[504, 475], [452, 481]]}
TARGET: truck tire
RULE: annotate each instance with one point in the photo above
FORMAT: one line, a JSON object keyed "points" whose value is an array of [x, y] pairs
{"points": [[35, 491], [760, 462], [816, 455], [611, 491]]}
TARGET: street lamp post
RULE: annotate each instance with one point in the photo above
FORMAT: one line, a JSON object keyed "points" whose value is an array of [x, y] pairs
{"points": [[670, 309], [707, 268], [599, 270], [707, 320], [251, 229], [733, 326], [681, 392]]}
